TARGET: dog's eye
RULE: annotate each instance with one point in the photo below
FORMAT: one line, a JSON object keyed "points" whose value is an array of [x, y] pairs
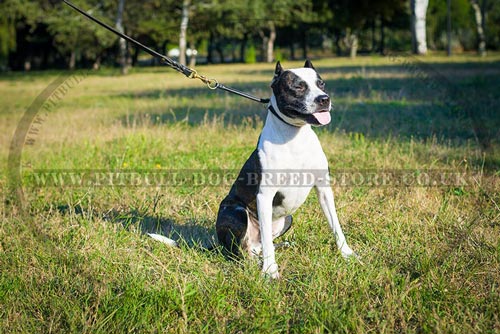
{"points": [[300, 86], [321, 84]]}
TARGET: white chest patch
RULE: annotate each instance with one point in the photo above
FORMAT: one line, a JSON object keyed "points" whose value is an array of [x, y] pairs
{"points": [[291, 159]]}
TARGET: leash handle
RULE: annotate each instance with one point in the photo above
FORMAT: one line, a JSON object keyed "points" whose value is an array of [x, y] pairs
{"points": [[188, 72]]}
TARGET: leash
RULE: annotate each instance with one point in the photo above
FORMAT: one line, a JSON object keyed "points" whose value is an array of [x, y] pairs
{"points": [[188, 72]]}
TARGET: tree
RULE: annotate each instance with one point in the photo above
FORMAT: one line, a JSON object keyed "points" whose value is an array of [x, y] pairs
{"points": [[265, 16], [268, 39], [228, 25], [17, 20], [7, 37], [122, 43], [391, 15], [479, 18], [76, 37], [462, 25], [186, 4], [349, 17], [418, 26], [151, 22]]}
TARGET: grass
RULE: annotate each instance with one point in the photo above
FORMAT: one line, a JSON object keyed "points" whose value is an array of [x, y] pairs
{"points": [[76, 260]]}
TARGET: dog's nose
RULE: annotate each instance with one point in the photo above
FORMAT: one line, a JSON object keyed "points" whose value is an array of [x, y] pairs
{"points": [[322, 100]]}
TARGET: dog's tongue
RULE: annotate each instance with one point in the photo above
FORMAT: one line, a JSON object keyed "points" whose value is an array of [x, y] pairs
{"points": [[323, 117]]}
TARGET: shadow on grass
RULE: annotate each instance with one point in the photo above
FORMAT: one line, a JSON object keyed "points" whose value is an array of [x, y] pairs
{"points": [[395, 66], [196, 106], [404, 108], [192, 234]]}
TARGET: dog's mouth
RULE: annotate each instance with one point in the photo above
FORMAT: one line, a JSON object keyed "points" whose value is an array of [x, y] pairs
{"points": [[322, 116]]}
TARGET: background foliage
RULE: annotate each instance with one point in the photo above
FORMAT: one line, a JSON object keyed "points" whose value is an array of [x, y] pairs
{"points": [[47, 34]]}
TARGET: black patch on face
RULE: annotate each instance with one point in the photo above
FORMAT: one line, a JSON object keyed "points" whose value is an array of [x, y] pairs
{"points": [[290, 91], [278, 199]]}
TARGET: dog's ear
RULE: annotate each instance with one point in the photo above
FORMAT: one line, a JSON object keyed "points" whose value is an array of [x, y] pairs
{"points": [[278, 69], [277, 72], [308, 64]]}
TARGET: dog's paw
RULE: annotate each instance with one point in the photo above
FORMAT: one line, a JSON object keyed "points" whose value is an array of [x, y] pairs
{"points": [[271, 276], [271, 271], [284, 244], [349, 254]]}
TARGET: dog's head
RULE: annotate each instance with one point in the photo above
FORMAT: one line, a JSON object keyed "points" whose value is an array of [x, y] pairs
{"points": [[300, 95]]}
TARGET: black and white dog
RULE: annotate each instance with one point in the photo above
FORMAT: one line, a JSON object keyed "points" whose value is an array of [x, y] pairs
{"points": [[278, 176]]}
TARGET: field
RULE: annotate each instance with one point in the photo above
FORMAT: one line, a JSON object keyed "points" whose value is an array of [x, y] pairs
{"points": [[74, 257]]}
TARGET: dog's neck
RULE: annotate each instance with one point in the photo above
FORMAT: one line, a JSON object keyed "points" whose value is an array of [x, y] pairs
{"points": [[278, 116], [279, 129]]}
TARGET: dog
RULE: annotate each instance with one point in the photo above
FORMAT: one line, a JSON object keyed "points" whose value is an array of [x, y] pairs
{"points": [[278, 176]]}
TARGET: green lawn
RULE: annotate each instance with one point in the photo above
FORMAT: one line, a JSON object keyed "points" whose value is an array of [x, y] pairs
{"points": [[76, 260]]}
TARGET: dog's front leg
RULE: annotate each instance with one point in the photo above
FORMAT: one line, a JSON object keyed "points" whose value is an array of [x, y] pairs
{"points": [[325, 197], [265, 214]]}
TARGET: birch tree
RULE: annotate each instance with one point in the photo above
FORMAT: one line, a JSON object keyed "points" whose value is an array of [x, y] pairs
{"points": [[186, 4], [479, 18], [418, 26], [122, 44]]}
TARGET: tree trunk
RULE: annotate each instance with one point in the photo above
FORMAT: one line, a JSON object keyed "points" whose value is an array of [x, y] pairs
{"points": [[97, 63], [351, 40], [292, 51], [264, 38], [353, 44], [448, 27], [27, 65], [305, 49], [220, 51], [210, 49], [382, 37], [129, 59], [122, 44], [72, 60], [478, 15], [135, 56], [374, 40], [192, 58], [183, 29], [338, 48], [243, 47], [233, 52], [418, 26], [270, 43]]}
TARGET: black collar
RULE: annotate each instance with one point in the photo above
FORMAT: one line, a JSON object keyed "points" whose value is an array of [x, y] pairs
{"points": [[275, 113]]}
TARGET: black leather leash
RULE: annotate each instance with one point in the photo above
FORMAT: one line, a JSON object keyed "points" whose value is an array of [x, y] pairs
{"points": [[188, 72]]}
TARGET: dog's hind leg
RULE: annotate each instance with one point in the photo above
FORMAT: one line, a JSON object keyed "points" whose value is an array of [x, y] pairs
{"points": [[231, 226]]}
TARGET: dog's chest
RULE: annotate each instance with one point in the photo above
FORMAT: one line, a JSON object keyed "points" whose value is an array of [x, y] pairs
{"points": [[290, 165]]}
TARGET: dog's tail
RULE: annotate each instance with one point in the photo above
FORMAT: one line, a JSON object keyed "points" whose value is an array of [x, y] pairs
{"points": [[173, 243], [165, 240]]}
